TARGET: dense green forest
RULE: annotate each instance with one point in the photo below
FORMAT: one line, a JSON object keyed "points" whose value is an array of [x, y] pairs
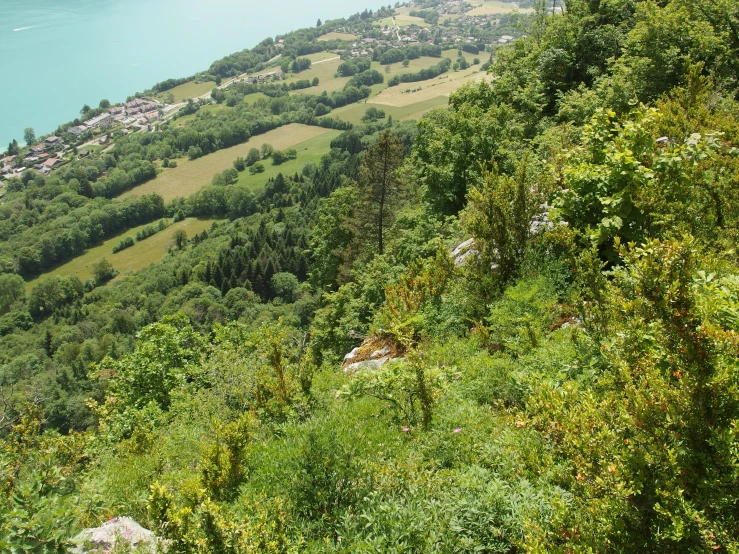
{"points": [[547, 266]]}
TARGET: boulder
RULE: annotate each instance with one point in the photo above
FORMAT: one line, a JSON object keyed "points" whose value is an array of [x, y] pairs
{"points": [[352, 356], [365, 365], [381, 353], [464, 251], [104, 538]]}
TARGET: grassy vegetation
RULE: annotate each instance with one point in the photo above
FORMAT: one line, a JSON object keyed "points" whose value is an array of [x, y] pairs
{"points": [[309, 151], [492, 7], [338, 36], [354, 112], [439, 89], [190, 90], [319, 56], [134, 258], [325, 72], [190, 176], [401, 20], [93, 147], [251, 98], [212, 108]]}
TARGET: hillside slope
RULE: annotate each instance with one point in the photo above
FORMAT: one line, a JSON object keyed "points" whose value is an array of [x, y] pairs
{"points": [[536, 285]]}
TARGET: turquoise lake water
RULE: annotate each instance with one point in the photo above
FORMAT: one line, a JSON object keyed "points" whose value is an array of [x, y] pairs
{"points": [[57, 55]]}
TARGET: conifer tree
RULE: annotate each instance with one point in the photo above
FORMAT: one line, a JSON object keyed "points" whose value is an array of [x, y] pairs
{"points": [[380, 186]]}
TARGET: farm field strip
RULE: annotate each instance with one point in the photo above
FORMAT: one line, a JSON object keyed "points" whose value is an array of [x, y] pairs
{"points": [[338, 36], [493, 7], [441, 87], [190, 90], [309, 151], [135, 258], [189, 176]]}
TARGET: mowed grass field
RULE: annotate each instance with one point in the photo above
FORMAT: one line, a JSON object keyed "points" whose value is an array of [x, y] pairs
{"points": [[189, 176], [211, 108], [338, 36], [354, 112], [424, 62], [319, 56], [309, 151], [441, 87], [190, 90], [401, 20], [494, 7], [135, 258], [325, 72]]}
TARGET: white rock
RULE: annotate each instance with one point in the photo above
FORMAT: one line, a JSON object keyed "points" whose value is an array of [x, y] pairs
{"points": [[351, 355], [464, 251], [119, 528], [384, 351], [366, 365]]}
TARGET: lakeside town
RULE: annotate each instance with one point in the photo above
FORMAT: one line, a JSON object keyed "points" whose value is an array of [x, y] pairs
{"points": [[452, 23]]}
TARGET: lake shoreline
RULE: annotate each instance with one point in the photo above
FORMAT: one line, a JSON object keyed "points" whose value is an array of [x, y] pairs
{"points": [[118, 49]]}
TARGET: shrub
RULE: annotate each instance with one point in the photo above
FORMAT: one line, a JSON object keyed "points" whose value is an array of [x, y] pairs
{"points": [[125, 243]]}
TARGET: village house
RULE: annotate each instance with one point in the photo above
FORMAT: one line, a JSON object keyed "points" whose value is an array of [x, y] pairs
{"points": [[38, 149], [52, 141], [271, 75], [151, 116], [51, 162], [77, 130]]}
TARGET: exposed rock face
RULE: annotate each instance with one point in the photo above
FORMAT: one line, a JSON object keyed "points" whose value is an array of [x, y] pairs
{"points": [[352, 356], [464, 251], [104, 538], [468, 248], [373, 353], [366, 365]]}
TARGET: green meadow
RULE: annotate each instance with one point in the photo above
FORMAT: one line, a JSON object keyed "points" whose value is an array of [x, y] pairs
{"points": [[135, 258], [310, 151], [191, 175]]}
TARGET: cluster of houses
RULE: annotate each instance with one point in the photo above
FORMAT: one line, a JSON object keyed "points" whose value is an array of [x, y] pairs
{"points": [[453, 7], [137, 110], [138, 107], [42, 157], [102, 121], [254, 79]]}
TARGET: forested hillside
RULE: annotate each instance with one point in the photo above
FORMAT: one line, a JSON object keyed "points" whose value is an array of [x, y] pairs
{"points": [[537, 287]]}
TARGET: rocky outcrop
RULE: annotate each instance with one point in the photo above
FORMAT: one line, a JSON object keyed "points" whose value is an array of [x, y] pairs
{"points": [[105, 537], [371, 354], [463, 251]]}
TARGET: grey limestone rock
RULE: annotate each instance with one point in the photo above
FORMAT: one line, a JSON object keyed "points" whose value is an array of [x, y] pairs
{"points": [[104, 538]]}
